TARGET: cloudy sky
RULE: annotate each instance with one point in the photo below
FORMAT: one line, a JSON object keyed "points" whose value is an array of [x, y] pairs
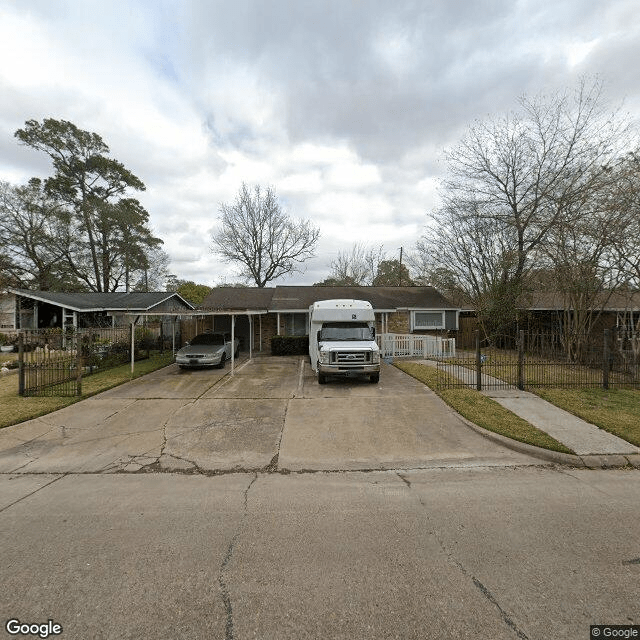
{"points": [[343, 106]]}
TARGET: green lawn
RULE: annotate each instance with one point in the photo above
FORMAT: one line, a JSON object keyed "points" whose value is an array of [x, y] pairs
{"points": [[15, 409], [481, 410], [616, 411]]}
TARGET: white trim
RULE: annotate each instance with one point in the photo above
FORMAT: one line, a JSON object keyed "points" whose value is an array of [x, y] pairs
{"points": [[414, 327], [57, 303], [411, 345]]}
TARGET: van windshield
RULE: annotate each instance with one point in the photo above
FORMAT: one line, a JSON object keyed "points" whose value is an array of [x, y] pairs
{"points": [[345, 331]]}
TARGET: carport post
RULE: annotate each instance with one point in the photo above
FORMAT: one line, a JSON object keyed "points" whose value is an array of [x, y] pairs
{"points": [[233, 341], [250, 318], [173, 335], [133, 345]]}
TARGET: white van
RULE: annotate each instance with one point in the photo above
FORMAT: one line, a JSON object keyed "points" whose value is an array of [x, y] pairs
{"points": [[342, 339]]}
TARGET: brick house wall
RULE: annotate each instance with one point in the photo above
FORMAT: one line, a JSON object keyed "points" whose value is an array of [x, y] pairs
{"points": [[269, 329], [398, 322]]}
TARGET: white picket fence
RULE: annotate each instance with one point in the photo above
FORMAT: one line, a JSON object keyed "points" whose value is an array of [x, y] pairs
{"points": [[416, 346]]}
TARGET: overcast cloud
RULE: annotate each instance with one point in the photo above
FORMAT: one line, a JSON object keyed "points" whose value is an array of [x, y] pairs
{"points": [[343, 106]]}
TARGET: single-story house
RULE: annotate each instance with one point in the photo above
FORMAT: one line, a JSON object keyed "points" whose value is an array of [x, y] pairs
{"points": [[545, 312], [615, 309], [284, 310], [22, 309]]}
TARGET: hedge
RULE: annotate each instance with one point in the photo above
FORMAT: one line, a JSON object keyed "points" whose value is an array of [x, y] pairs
{"points": [[289, 345]]}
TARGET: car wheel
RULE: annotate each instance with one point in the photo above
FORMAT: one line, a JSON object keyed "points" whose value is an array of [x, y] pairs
{"points": [[223, 361], [322, 379], [374, 378]]}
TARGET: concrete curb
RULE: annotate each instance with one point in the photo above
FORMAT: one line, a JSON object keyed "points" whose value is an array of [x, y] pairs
{"points": [[604, 461], [528, 449]]}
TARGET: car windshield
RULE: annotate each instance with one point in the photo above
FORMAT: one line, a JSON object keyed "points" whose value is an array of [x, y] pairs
{"points": [[345, 331], [208, 338]]}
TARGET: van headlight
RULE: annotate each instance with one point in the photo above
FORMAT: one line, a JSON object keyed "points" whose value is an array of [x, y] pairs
{"points": [[375, 357], [324, 357]]}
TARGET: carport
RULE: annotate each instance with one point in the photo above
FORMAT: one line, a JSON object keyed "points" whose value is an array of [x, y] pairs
{"points": [[232, 314]]}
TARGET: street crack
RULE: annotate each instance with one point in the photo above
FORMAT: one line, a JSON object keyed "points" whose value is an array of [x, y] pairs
{"points": [[476, 583], [224, 588]]}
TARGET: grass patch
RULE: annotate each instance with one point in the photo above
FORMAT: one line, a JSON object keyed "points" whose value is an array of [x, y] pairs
{"points": [[6, 358], [616, 411], [15, 409], [480, 410]]}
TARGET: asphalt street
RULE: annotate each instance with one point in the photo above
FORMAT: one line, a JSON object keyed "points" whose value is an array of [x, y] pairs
{"points": [[495, 553]]}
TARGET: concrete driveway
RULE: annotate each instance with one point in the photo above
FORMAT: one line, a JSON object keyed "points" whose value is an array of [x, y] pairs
{"points": [[270, 415]]}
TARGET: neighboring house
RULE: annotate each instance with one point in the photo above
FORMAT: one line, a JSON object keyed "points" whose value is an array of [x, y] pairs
{"points": [[24, 309], [546, 309], [7, 310], [546, 312], [284, 310]]}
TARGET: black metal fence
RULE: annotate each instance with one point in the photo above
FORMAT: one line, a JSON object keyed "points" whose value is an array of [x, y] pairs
{"points": [[528, 360], [52, 362]]}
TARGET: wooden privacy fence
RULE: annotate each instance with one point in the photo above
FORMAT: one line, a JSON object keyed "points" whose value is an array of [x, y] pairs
{"points": [[417, 346]]}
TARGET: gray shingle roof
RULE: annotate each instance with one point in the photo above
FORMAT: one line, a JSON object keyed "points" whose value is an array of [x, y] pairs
{"points": [[115, 301], [233, 298], [300, 298]]}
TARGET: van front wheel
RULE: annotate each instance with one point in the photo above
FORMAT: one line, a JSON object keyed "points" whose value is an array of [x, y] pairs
{"points": [[374, 378], [322, 379]]}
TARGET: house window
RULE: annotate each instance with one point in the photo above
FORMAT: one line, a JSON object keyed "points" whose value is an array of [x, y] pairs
{"points": [[293, 324], [422, 320]]}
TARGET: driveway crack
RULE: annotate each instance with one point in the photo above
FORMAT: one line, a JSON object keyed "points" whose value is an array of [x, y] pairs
{"points": [[476, 583], [222, 581], [272, 467]]}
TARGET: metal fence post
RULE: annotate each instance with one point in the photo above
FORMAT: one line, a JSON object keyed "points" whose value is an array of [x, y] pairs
{"points": [[79, 359], [605, 360], [478, 363], [21, 364], [521, 359]]}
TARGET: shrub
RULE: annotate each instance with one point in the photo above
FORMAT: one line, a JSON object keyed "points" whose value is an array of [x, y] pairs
{"points": [[289, 345]]}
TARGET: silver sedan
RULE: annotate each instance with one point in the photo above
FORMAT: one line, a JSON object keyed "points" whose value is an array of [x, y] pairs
{"points": [[207, 350]]}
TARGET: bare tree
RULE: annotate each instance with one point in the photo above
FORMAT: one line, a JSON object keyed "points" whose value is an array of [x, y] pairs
{"points": [[469, 259], [511, 182], [357, 266], [581, 261], [258, 235], [624, 205]]}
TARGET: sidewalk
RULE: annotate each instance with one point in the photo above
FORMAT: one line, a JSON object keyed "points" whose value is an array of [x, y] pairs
{"points": [[582, 437]]}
